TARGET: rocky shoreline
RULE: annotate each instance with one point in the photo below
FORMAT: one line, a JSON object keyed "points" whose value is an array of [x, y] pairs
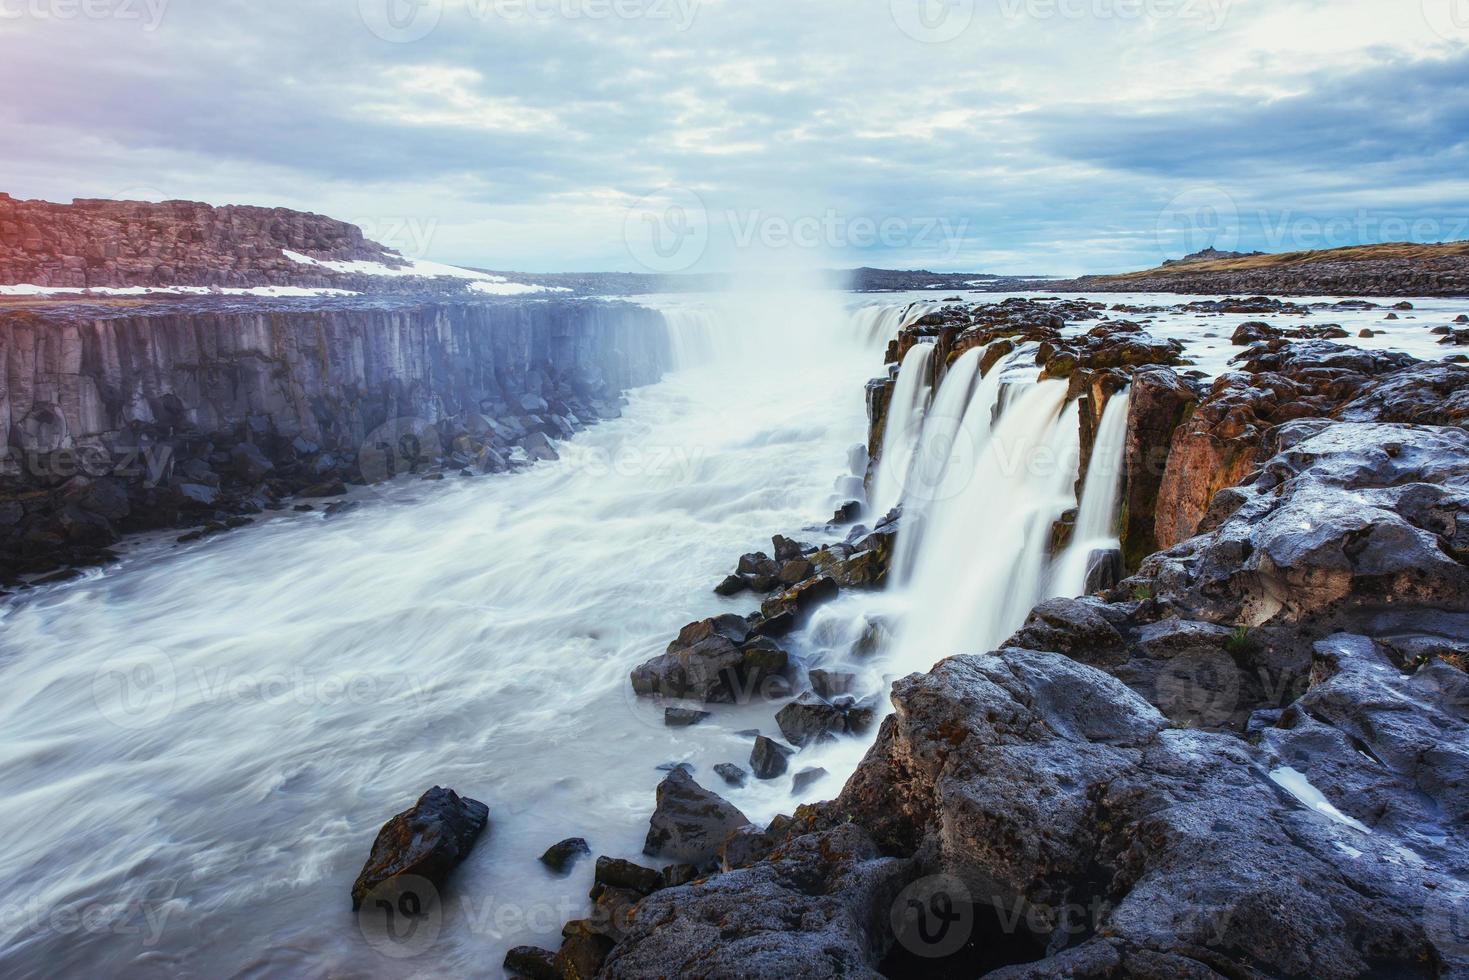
{"points": [[1245, 759], [199, 414]]}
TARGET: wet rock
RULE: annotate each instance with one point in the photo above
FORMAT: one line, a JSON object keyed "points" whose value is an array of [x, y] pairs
{"points": [[1103, 570], [786, 549], [795, 571], [584, 949], [250, 464], [617, 873], [801, 600], [539, 448], [768, 759], [804, 779], [563, 856], [1252, 333], [690, 822], [829, 683], [732, 585], [732, 774], [427, 841], [1159, 403], [328, 488], [809, 719], [533, 963], [683, 717]]}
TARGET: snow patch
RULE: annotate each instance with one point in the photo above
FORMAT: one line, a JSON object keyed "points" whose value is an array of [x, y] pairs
{"points": [[1297, 785], [480, 282]]}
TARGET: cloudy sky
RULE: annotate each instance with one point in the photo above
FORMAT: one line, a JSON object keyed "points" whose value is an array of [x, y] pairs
{"points": [[1050, 136]]}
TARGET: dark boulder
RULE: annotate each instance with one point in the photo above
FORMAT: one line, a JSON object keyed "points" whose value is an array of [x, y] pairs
{"points": [[768, 759], [563, 856], [427, 841], [689, 822]]}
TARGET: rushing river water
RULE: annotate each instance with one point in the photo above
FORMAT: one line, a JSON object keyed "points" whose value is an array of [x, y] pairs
{"points": [[202, 741]]}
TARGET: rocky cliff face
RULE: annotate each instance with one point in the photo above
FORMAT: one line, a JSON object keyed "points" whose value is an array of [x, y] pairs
{"points": [[176, 243], [121, 417]]}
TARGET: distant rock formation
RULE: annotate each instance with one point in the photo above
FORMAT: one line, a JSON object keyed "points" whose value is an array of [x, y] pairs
{"points": [[1209, 255], [91, 243]]}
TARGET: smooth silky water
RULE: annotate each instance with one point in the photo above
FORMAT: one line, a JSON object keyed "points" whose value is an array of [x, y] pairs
{"points": [[202, 741]]}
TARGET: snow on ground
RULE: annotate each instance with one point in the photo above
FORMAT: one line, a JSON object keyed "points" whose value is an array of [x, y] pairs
{"points": [[275, 291], [480, 282]]}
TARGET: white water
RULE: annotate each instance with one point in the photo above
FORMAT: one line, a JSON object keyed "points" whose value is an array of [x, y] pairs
{"points": [[905, 416], [309, 678], [293, 685], [1096, 518], [971, 564], [879, 323]]}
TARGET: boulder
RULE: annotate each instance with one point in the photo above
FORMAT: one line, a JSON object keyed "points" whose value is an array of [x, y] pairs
{"points": [[768, 758], [428, 841], [562, 857], [689, 822]]}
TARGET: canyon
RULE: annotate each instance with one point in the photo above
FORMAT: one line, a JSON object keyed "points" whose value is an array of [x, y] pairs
{"points": [[1091, 637]]}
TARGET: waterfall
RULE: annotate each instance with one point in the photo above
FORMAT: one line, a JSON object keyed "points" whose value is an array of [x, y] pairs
{"points": [[880, 323], [900, 436], [974, 566], [955, 430], [1096, 520]]}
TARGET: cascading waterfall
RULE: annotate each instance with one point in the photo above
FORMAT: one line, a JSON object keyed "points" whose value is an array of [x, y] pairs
{"points": [[974, 564], [904, 421], [1096, 519], [879, 324]]}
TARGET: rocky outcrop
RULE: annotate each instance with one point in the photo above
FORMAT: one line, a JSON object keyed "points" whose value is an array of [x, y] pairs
{"points": [[424, 842], [120, 418], [1247, 760], [1161, 401], [176, 243]]}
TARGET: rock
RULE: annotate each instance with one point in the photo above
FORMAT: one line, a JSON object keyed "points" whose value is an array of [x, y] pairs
{"points": [[768, 758], [427, 841], [847, 514], [805, 779], [328, 488], [689, 822], [1159, 402], [786, 549], [683, 717], [809, 719], [250, 464], [1461, 318], [532, 962], [563, 856], [732, 774], [830, 684], [795, 571], [539, 448], [583, 951], [1252, 333], [1367, 334], [617, 873], [1103, 570], [198, 494], [751, 564], [732, 585]]}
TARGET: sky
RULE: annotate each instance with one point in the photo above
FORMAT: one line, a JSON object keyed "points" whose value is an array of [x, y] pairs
{"points": [[996, 136]]}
